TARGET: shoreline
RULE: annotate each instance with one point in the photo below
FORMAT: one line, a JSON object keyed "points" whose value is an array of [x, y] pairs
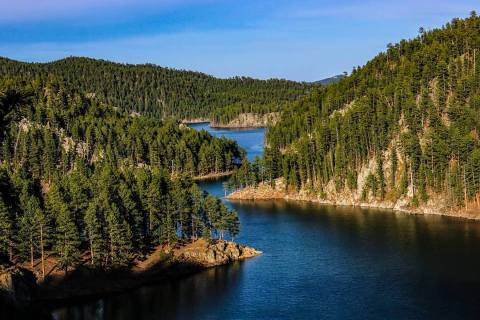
{"points": [[224, 126], [239, 127], [163, 264], [266, 193], [213, 176], [242, 122], [194, 121]]}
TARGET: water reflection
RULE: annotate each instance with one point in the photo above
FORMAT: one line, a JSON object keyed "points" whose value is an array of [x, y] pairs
{"points": [[172, 300], [249, 139], [337, 262]]}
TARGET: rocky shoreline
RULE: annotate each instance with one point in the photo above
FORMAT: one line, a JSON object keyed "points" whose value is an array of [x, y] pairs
{"points": [[242, 121], [249, 121], [267, 192], [195, 120], [213, 176], [19, 286]]}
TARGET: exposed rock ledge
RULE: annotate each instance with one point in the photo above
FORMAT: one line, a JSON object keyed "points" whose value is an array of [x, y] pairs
{"points": [[213, 254], [249, 120], [213, 176], [195, 120], [435, 206]]}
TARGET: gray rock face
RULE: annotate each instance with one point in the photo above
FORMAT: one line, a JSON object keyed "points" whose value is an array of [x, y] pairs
{"points": [[218, 253], [18, 284]]}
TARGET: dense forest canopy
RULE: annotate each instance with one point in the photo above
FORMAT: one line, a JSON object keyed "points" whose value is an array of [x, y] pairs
{"points": [[413, 110], [159, 92], [78, 175]]}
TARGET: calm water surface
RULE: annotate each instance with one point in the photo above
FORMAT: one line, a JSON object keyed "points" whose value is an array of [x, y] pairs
{"points": [[319, 262]]}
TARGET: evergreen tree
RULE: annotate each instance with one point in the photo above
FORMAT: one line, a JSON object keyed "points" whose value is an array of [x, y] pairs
{"points": [[67, 238], [95, 227]]}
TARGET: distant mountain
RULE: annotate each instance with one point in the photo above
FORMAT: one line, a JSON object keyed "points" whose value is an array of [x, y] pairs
{"points": [[331, 80]]}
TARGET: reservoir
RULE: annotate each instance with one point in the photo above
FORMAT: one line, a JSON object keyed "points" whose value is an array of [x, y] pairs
{"points": [[319, 262]]}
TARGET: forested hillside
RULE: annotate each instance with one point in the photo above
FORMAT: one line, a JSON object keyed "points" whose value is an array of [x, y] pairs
{"points": [[403, 127], [80, 179], [159, 92]]}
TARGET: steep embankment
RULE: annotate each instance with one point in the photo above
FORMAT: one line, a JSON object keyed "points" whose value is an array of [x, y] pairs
{"points": [[195, 120], [20, 285], [436, 205]]}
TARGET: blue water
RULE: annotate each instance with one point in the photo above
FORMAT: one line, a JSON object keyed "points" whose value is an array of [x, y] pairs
{"points": [[319, 262], [249, 139]]}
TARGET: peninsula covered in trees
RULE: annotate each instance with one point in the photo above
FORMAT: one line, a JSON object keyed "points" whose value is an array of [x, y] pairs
{"points": [[400, 132], [83, 183]]}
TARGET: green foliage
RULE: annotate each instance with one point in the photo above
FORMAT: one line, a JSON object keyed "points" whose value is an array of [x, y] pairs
{"points": [[161, 92], [96, 183], [67, 238], [421, 94], [371, 186]]}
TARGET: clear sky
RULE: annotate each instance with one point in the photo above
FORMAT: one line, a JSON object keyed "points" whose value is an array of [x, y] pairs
{"points": [[302, 40]]}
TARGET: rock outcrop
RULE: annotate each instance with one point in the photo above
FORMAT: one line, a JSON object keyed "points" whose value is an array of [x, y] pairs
{"points": [[218, 253], [435, 206], [195, 120], [249, 120]]}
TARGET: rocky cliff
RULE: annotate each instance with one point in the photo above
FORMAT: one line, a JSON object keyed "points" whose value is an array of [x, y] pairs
{"points": [[436, 205]]}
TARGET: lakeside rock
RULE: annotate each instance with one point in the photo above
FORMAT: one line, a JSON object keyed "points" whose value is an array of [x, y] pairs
{"points": [[213, 254]]}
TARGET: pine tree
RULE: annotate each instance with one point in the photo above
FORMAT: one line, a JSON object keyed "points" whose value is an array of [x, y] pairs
{"points": [[43, 225], [96, 234], [67, 238], [119, 235], [233, 224], [154, 208], [130, 210], [197, 219], [29, 233]]}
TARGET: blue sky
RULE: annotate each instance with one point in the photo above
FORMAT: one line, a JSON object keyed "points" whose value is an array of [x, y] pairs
{"points": [[301, 40]]}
